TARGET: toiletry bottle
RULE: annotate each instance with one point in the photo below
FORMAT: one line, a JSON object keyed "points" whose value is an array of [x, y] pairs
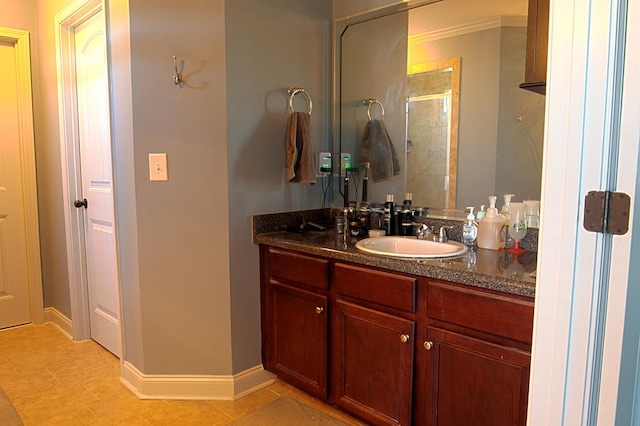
{"points": [[405, 220], [506, 207], [390, 215], [408, 199], [480, 214], [470, 229], [490, 227], [506, 212]]}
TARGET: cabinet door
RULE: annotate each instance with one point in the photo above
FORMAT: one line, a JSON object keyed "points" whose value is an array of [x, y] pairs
{"points": [[297, 338], [535, 73], [472, 382], [372, 364]]}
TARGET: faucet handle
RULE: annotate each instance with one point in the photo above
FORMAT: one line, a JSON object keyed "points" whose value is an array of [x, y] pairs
{"points": [[422, 231], [442, 237]]}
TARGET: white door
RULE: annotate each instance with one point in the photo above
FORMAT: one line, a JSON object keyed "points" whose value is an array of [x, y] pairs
{"points": [[94, 136], [18, 251]]}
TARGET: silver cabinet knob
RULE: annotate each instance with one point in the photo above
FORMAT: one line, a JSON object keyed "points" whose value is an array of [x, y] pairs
{"points": [[404, 338], [319, 310], [427, 345]]}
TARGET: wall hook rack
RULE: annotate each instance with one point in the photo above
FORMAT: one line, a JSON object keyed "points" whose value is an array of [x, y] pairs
{"points": [[177, 77]]}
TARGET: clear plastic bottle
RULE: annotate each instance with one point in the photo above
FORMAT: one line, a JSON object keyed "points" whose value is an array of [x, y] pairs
{"points": [[490, 227], [470, 229]]}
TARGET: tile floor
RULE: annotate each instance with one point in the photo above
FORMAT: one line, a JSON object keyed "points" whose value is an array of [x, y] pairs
{"points": [[54, 381]]}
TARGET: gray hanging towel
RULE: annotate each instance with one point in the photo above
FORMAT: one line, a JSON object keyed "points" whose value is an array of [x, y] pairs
{"points": [[378, 150], [299, 152]]}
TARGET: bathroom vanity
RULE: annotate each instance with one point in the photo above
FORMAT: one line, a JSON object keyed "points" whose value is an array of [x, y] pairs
{"points": [[397, 341]]}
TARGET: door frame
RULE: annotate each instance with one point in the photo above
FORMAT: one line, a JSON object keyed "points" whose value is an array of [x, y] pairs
{"points": [[20, 39], [66, 21], [581, 288]]}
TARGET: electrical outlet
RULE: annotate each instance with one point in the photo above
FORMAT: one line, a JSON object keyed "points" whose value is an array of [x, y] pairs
{"points": [[345, 163], [158, 167], [324, 163]]}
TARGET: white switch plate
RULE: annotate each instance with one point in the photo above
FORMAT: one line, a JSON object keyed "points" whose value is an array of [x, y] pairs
{"points": [[158, 167]]}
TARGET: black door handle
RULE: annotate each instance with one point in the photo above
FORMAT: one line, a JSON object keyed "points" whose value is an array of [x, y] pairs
{"points": [[78, 203]]}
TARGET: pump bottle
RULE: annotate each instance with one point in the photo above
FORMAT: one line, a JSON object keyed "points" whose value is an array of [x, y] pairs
{"points": [[490, 227], [470, 229]]}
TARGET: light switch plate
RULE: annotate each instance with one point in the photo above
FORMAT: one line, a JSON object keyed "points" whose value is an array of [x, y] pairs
{"points": [[158, 167]]}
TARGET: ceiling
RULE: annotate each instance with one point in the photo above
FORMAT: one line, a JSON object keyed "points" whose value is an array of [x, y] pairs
{"points": [[452, 13]]}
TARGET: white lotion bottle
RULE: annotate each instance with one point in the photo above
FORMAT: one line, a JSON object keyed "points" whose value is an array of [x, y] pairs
{"points": [[490, 227]]}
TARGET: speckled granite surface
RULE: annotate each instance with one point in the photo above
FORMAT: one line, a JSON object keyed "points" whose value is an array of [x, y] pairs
{"points": [[491, 269]]}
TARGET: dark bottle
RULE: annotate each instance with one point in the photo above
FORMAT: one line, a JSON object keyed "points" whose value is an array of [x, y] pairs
{"points": [[405, 220], [390, 215]]}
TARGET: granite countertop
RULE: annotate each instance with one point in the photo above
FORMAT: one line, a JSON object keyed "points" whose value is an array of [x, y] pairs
{"points": [[491, 269]]}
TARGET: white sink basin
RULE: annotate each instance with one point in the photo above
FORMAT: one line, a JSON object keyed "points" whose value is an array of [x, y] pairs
{"points": [[410, 247]]}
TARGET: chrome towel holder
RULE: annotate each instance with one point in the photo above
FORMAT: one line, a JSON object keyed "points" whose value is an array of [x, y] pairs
{"points": [[370, 103], [299, 90]]}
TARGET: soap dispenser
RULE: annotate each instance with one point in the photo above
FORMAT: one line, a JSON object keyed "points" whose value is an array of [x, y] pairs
{"points": [[480, 214], [490, 227], [506, 207], [506, 212], [470, 229]]}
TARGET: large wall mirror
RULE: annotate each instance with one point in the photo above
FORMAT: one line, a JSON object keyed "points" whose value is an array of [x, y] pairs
{"points": [[442, 77]]}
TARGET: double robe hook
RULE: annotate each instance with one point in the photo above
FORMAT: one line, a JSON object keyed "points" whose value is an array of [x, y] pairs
{"points": [[177, 77]]}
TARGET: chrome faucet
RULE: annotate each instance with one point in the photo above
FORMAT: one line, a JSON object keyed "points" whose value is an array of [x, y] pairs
{"points": [[423, 232], [442, 235]]}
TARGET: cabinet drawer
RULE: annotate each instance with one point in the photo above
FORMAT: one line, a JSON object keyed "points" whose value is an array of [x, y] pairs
{"points": [[491, 313], [299, 268], [383, 288]]}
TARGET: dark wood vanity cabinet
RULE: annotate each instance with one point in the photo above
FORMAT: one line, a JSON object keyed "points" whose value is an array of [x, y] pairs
{"points": [[393, 349], [473, 367], [294, 320], [535, 74], [373, 334]]}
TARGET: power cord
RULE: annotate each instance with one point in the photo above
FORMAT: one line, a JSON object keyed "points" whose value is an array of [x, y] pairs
{"points": [[325, 188], [355, 178]]}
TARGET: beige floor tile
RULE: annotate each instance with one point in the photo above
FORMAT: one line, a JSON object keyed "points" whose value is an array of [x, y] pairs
{"points": [[76, 415], [193, 413], [54, 381], [54, 401], [242, 406]]}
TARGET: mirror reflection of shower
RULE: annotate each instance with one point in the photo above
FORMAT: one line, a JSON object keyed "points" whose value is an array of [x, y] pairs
{"points": [[432, 136]]}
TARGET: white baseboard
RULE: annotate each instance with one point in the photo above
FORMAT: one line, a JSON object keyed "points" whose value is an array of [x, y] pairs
{"points": [[58, 319], [157, 386]]}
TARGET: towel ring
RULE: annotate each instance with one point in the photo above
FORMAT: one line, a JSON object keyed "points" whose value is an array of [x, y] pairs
{"points": [[293, 92], [370, 103]]}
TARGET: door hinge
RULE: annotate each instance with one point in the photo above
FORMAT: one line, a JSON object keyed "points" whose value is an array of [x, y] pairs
{"points": [[607, 212]]}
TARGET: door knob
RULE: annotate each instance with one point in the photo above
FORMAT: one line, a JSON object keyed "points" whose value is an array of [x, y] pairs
{"points": [[80, 203], [319, 310], [427, 345], [404, 338]]}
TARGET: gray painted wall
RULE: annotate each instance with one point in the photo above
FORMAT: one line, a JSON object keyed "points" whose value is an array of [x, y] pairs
{"points": [[374, 61], [343, 8], [290, 46], [189, 272], [520, 123]]}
